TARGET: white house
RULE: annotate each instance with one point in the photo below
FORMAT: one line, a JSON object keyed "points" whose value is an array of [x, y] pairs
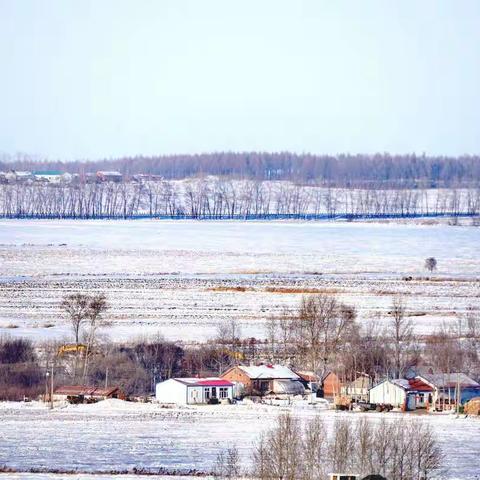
{"points": [[52, 176], [397, 393], [191, 391]]}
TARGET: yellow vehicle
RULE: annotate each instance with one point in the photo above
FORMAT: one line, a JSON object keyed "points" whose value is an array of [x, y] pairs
{"points": [[234, 354], [72, 348]]}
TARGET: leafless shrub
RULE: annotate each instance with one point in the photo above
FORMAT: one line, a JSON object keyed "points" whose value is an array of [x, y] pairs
{"points": [[398, 450], [227, 464]]}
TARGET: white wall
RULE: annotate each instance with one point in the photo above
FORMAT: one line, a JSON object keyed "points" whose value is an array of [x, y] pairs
{"points": [[387, 392], [171, 391], [195, 395]]}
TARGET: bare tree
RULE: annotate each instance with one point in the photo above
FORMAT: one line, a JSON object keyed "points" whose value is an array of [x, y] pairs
{"points": [[278, 453], [400, 332], [227, 464], [430, 264], [228, 336], [76, 306], [396, 449], [96, 307], [320, 327]]}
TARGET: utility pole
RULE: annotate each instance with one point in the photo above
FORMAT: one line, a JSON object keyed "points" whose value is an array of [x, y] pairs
{"points": [[47, 373], [51, 389], [106, 378], [459, 393]]}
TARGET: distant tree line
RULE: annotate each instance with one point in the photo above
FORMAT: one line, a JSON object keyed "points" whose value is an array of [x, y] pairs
{"points": [[339, 170], [213, 197]]}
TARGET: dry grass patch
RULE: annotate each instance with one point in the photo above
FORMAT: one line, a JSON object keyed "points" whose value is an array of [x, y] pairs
{"points": [[230, 289], [302, 290]]}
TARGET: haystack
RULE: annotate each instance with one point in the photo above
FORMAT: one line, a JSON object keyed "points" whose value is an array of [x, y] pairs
{"points": [[472, 407]]}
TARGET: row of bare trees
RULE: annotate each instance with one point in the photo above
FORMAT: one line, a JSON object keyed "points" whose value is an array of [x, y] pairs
{"points": [[322, 334], [222, 197], [396, 449], [339, 170]]}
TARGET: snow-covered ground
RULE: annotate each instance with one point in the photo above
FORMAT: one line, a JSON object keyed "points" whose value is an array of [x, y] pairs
{"points": [[159, 275], [119, 435]]}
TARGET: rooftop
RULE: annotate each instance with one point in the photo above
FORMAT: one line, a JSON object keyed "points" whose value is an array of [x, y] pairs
{"points": [[269, 371], [449, 380], [204, 382]]}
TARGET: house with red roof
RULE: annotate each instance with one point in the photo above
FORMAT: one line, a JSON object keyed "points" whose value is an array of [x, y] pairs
{"points": [[194, 391], [407, 394]]}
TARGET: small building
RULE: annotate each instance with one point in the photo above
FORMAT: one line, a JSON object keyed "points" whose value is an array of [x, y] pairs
{"points": [[86, 394], [397, 393], [332, 385], [357, 390], [52, 176], [310, 380], [265, 379], [14, 176], [424, 393], [447, 387], [109, 176], [192, 391]]}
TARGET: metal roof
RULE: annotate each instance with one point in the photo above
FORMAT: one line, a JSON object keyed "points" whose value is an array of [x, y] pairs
{"points": [[204, 382], [449, 380], [75, 390], [267, 372]]}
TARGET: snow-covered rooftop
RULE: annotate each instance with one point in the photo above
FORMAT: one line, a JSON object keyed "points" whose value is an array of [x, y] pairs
{"points": [[442, 380], [269, 371]]}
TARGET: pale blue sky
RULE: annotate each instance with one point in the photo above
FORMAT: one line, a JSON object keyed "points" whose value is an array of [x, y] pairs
{"points": [[105, 78]]}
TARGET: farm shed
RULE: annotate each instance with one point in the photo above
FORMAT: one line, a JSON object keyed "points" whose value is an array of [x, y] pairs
{"points": [[84, 393], [397, 393], [264, 379], [331, 385], [424, 392], [310, 380], [191, 391], [444, 387], [357, 389]]}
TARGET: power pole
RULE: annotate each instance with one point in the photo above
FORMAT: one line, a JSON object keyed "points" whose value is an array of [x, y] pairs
{"points": [[47, 374], [51, 389]]}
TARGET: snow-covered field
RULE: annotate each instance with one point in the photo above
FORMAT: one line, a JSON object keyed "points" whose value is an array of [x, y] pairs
{"points": [[159, 275], [119, 435]]}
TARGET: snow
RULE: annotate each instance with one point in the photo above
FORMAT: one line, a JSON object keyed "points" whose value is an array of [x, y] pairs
{"points": [[181, 278], [269, 371], [122, 435]]}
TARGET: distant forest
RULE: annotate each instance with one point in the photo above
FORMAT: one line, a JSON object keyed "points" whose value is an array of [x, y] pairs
{"points": [[342, 170]]}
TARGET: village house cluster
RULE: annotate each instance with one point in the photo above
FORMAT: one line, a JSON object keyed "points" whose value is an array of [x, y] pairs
{"points": [[57, 177], [422, 389]]}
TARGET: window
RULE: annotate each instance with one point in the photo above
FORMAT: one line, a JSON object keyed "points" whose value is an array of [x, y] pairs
{"points": [[207, 393], [223, 392]]}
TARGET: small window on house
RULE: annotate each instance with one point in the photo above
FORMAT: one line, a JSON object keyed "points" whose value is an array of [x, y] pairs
{"points": [[207, 393], [223, 392]]}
